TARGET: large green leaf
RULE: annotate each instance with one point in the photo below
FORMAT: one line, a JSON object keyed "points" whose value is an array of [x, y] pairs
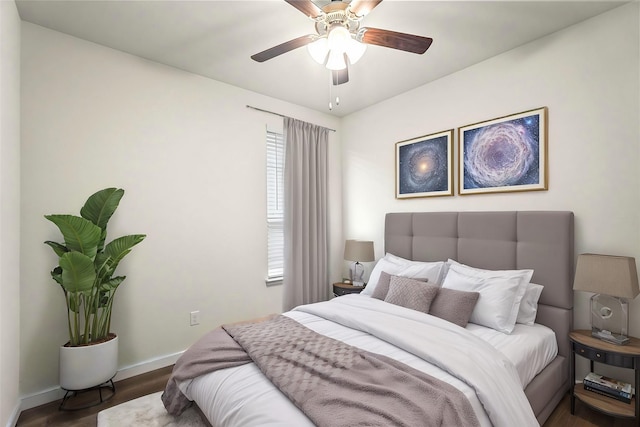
{"points": [[120, 247], [100, 206], [58, 248], [78, 274], [79, 234], [112, 284]]}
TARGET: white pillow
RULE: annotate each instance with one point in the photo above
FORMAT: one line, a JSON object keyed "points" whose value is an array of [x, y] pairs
{"points": [[395, 258], [396, 266], [525, 275], [500, 295], [529, 304], [383, 264], [427, 269], [528, 308]]}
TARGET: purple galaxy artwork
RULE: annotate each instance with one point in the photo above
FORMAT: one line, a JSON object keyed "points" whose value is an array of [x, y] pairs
{"points": [[502, 154], [423, 166]]}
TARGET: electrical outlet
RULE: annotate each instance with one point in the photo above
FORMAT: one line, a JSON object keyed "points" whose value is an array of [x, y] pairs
{"points": [[194, 318]]}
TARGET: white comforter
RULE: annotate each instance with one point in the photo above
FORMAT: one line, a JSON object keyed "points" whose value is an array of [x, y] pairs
{"points": [[244, 397]]}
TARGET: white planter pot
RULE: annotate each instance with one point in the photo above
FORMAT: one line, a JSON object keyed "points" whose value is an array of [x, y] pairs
{"points": [[88, 366]]}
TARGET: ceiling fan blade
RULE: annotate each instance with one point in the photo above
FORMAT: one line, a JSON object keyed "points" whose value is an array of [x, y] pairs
{"points": [[282, 48], [340, 76], [306, 6], [363, 7], [394, 40]]}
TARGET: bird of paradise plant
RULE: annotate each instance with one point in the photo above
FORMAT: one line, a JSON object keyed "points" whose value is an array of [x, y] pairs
{"points": [[86, 266]]}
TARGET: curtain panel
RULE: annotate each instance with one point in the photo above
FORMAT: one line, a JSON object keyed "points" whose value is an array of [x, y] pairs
{"points": [[305, 216]]}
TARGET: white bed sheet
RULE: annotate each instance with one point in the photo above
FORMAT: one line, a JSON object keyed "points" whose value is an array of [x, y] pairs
{"points": [[242, 396], [530, 348]]}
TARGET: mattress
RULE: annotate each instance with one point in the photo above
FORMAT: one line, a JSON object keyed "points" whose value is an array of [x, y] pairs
{"points": [[242, 396]]}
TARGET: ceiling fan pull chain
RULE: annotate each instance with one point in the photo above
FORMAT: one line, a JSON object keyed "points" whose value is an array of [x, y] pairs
{"points": [[337, 94], [330, 94]]}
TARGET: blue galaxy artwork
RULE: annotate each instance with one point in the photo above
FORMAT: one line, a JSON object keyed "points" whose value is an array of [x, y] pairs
{"points": [[424, 166], [503, 154]]}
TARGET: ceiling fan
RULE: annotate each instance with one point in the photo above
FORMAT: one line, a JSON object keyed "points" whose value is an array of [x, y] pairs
{"points": [[340, 38]]}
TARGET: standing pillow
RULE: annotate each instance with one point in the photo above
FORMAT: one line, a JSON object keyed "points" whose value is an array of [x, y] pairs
{"points": [[383, 264], [396, 266], [410, 293], [426, 271], [525, 274], [525, 311], [454, 306], [395, 258], [529, 304], [433, 271], [499, 299]]}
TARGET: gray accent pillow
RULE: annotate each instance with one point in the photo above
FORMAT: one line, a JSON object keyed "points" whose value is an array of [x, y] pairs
{"points": [[454, 306], [382, 288], [411, 293]]}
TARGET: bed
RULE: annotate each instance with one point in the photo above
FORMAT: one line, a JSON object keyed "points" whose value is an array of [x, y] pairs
{"points": [[505, 378]]}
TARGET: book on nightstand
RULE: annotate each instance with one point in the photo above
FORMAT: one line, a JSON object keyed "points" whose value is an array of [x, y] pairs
{"points": [[610, 387]]}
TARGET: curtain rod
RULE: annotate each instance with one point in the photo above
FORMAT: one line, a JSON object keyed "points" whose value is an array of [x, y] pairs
{"points": [[282, 115]]}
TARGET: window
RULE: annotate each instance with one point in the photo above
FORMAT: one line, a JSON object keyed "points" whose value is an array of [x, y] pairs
{"points": [[275, 207]]}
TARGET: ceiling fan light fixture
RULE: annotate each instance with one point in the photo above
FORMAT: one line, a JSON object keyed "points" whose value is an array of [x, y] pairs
{"points": [[336, 60], [319, 50], [355, 50], [339, 38]]}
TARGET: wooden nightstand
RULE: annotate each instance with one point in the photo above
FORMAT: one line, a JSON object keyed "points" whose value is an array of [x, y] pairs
{"points": [[346, 288], [623, 356]]}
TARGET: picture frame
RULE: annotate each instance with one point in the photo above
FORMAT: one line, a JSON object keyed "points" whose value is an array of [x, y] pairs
{"points": [[506, 154], [424, 166]]}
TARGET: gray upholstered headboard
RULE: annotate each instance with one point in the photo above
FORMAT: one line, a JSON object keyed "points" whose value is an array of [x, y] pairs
{"points": [[541, 240]]}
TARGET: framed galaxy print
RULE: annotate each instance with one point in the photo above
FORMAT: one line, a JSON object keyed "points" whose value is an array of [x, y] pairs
{"points": [[424, 166], [504, 154]]}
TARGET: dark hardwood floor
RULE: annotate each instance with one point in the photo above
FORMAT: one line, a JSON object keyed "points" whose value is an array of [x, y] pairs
{"points": [[132, 388], [129, 389]]}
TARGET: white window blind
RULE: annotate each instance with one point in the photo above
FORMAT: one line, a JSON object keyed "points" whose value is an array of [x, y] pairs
{"points": [[275, 206]]}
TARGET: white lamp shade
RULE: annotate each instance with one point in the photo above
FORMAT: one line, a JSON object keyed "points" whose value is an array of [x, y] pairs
{"points": [[355, 50], [336, 60], [338, 39], [319, 50], [338, 42]]}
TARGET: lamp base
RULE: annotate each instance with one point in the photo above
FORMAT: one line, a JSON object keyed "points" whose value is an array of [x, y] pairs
{"points": [[610, 319], [356, 271], [609, 337]]}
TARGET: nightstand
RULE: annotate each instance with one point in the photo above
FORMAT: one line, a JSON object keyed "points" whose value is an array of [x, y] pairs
{"points": [[622, 356], [346, 288]]}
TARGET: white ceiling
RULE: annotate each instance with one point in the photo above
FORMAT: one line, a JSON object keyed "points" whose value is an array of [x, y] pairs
{"points": [[216, 39]]}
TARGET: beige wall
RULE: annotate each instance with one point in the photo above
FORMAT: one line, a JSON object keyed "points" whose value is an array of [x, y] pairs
{"points": [[9, 211], [191, 158], [587, 76]]}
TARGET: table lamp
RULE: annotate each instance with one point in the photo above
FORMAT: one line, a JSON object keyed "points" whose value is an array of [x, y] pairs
{"points": [[358, 250], [614, 280]]}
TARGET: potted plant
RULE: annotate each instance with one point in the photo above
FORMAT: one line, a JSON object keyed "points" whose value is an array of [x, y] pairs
{"points": [[85, 272]]}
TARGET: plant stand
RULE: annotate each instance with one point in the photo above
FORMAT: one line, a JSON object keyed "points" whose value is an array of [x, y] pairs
{"points": [[78, 395]]}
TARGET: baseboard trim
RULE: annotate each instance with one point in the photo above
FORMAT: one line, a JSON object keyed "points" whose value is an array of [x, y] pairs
{"points": [[147, 366], [56, 393], [13, 419]]}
